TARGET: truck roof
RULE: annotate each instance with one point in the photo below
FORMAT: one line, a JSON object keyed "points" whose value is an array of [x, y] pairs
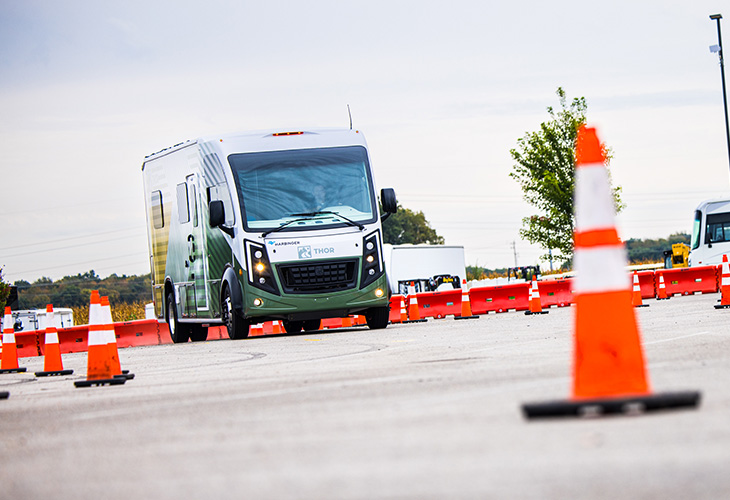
{"points": [[271, 140]]}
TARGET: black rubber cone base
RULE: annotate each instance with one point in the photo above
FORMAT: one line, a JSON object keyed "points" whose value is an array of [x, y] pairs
{"points": [[630, 405], [100, 381], [720, 306], [642, 305], [530, 313], [466, 317], [416, 321], [125, 375], [4, 394], [54, 373], [13, 370]]}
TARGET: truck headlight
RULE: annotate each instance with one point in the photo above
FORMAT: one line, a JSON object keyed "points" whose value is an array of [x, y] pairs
{"points": [[372, 262], [260, 271]]}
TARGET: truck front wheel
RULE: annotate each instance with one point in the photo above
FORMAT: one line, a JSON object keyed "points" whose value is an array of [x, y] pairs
{"points": [[377, 317], [236, 325]]}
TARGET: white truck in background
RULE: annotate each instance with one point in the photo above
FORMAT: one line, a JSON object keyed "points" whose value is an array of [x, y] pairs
{"points": [[710, 233], [428, 267], [28, 320]]}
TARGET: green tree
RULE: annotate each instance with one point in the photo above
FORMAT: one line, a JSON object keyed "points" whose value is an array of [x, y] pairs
{"points": [[4, 289], [407, 226], [545, 167]]}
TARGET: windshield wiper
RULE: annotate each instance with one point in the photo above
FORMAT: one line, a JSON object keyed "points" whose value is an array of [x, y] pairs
{"points": [[307, 216], [266, 233], [327, 212]]}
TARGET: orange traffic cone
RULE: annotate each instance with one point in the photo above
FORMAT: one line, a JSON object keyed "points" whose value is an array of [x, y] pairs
{"points": [[465, 303], [111, 341], [275, 327], [609, 374], [636, 300], [52, 363], [256, 330], [99, 365], [9, 363], [414, 315], [724, 285], [662, 290], [535, 303]]}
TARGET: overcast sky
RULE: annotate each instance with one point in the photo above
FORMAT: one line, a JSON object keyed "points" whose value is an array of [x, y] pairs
{"points": [[441, 90]]}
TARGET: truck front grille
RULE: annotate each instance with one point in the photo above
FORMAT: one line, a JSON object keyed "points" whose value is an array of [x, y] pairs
{"points": [[318, 277]]}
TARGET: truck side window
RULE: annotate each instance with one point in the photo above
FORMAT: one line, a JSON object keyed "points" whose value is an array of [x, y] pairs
{"points": [[158, 215], [183, 214]]}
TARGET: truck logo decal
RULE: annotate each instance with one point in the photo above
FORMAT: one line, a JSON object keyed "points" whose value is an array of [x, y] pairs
{"points": [[305, 252]]}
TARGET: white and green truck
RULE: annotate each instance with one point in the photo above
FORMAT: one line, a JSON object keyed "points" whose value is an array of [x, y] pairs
{"points": [[259, 226]]}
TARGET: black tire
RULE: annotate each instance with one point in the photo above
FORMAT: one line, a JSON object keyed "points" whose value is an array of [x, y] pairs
{"points": [[312, 325], [377, 317], [179, 333], [236, 325], [199, 333], [293, 326]]}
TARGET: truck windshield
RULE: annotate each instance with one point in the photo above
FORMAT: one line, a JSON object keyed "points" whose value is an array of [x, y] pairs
{"points": [[276, 187]]}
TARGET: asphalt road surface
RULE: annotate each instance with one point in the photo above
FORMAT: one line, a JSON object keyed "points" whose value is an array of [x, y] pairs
{"points": [[427, 410]]}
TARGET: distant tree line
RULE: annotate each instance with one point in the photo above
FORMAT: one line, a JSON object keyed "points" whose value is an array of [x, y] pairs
{"points": [[642, 251], [74, 291]]}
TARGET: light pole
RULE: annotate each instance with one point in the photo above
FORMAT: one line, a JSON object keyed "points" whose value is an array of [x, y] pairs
{"points": [[717, 18]]}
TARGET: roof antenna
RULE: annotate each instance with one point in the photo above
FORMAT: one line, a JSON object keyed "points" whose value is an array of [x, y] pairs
{"points": [[350, 114]]}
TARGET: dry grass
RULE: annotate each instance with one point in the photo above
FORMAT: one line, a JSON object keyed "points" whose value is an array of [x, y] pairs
{"points": [[120, 312]]}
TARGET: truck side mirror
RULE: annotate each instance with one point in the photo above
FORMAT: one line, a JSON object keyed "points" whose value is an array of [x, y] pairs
{"points": [[708, 239], [388, 201], [217, 217]]}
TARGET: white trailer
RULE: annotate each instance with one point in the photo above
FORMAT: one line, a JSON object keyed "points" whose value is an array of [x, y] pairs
{"points": [[36, 319], [422, 265], [710, 233]]}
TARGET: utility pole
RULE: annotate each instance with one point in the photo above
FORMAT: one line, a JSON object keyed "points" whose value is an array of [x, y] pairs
{"points": [[514, 250], [717, 17]]}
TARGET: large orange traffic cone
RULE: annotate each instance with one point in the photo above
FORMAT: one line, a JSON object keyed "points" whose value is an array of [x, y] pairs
{"points": [[636, 299], [100, 366], [465, 303], [52, 362], [662, 289], [609, 374], [414, 315], [111, 341], [535, 303], [724, 285], [9, 362]]}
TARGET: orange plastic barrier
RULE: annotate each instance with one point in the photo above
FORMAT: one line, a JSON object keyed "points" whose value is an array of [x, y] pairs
{"points": [[395, 303], [439, 304], [557, 293], [499, 298], [648, 283], [689, 280]]}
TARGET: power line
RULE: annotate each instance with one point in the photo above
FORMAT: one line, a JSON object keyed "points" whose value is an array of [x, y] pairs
{"points": [[136, 228], [65, 248]]}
